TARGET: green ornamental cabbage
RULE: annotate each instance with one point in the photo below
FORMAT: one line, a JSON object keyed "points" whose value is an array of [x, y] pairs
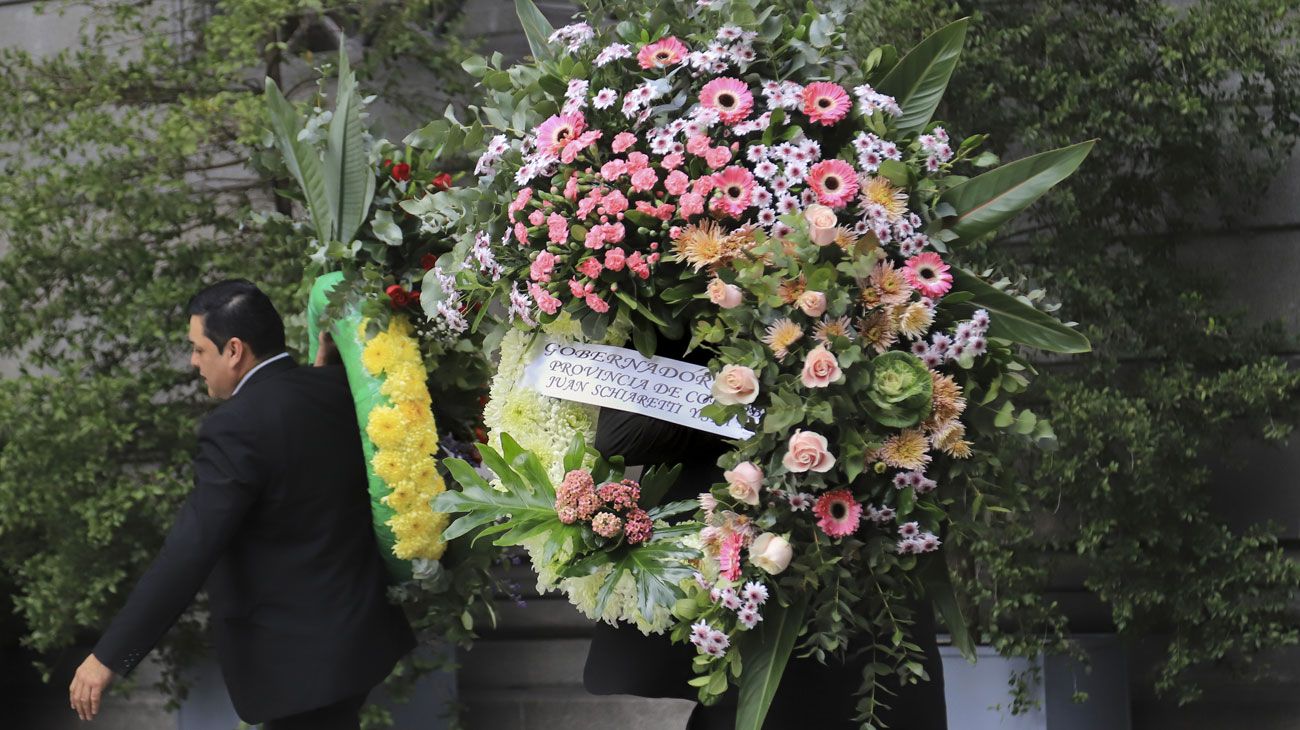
{"points": [[900, 390]]}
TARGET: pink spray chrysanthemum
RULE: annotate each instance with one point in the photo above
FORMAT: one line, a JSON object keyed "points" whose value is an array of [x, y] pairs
{"points": [[737, 187], [838, 513], [729, 97], [835, 182], [662, 53], [928, 274], [825, 103], [559, 130]]}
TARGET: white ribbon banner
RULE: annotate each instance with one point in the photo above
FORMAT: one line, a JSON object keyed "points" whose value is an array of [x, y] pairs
{"points": [[614, 377]]}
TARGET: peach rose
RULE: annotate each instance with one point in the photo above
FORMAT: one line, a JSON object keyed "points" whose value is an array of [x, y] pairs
{"points": [[736, 384], [771, 553], [820, 369], [744, 482], [807, 452], [812, 303], [724, 295], [822, 223]]}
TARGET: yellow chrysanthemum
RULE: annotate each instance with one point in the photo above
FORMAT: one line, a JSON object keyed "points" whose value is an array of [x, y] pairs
{"points": [[881, 192], [781, 335], [415, 415], [404, 497], [390, 465], [400, 327], [379, 354], [386, 428], [905, 450], [405, 382], [424, 472]]}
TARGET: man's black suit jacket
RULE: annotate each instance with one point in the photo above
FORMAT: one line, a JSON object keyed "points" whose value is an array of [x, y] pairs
{"points": [[279, 525]]}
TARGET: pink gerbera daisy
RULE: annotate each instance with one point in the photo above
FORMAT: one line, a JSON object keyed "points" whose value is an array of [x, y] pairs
{"points": [[737, 187], [834, 181], [825, 103], [559, 130], [838, 513], [729, 97], [729, 556], [662, 53], [928, 274]]}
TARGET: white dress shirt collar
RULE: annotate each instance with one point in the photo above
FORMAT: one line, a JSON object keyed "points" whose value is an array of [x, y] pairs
{"points": [[260, 365]]}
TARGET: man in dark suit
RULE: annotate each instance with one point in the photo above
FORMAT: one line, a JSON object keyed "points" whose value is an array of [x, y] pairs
{"points": [[278, 524]]}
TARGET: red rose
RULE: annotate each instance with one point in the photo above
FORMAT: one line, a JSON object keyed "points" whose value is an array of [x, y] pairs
{"points": [[441, 182], [388, 164], [401, 172], [397, 297], [428, 261]]}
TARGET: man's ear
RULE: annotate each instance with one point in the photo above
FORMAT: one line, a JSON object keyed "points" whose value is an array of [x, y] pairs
{"points": [[236, 349]]}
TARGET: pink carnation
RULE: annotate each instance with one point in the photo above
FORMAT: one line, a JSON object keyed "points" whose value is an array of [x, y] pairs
{"points": [[557, 228], [576, 289], [613, 170], [672, 161], [521, 234], [622, 141], [591, 267], [615, 203], [595, 238], [614, 232], [545, 301], [571, 187], [521, 200], [598, 305], [637, 263], [698, 145], [717, 157], [644, 179], [637, 161], [615, 258], [536, 218], [542, 266], [677, 182], [691, 204]]}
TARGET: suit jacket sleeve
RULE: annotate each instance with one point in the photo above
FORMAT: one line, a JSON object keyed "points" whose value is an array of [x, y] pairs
{"points": [[226, 484]]}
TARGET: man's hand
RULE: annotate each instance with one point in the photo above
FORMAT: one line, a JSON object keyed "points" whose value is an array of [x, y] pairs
{"points": [[88, 686], [327, 353]]}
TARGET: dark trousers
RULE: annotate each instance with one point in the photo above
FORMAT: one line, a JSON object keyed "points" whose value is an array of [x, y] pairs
{"points": [[342, 715]]}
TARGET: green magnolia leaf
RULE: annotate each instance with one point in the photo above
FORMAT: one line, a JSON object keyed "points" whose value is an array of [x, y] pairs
{"points": [[537, 28], [302, 160], [525, 511], [987, 201], [938, 585], [385, 229], [919, 79], [1014, 320], [350, 180], [765, 653], [656, 567]]}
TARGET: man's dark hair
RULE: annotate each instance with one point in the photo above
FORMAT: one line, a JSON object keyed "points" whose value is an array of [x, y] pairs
{"points": [[237, 308]]}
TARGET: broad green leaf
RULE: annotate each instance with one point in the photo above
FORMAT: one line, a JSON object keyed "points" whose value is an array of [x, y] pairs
{"points": [[987, 201], [537, 28], [919, 79], [938, 585], [385, 229], [350, 181], [765, 652], [1014, 320], [302, 160]]}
